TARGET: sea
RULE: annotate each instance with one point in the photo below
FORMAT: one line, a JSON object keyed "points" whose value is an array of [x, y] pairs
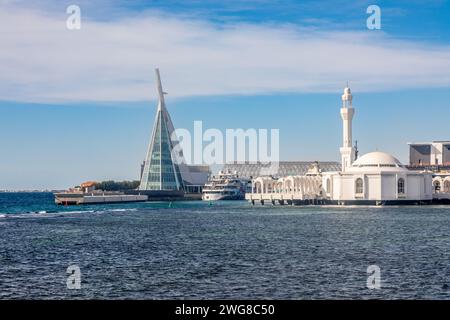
{"points": [[221, 250]]}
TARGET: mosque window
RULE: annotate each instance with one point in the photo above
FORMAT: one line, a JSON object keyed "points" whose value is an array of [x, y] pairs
{"points": [[401, 186], [328, 185], [359, 186]]}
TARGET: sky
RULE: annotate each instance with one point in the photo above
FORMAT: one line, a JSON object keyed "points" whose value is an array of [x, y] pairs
{"points": [[78, 105]]}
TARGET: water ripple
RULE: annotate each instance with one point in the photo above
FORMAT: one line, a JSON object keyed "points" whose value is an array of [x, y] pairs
{"points": [[226, 251]]}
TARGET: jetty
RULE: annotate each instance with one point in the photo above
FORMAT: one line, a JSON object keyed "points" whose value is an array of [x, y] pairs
{"points": [[78, 198]]}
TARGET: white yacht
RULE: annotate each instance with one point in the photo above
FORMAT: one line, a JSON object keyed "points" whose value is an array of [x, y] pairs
{"points": [[224, 186]]}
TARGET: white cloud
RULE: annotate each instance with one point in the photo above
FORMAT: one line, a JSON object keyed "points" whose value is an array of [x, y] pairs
{"points": [[42, 61]]}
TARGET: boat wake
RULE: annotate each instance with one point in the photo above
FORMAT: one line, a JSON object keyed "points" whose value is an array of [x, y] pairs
{"points": [[54, 213]]}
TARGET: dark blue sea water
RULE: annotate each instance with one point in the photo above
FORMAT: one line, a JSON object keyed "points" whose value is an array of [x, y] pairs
{"points": [[227, 250]]}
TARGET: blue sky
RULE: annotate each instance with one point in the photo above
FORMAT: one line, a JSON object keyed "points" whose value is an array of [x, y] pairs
{"points": [[79, 105]]}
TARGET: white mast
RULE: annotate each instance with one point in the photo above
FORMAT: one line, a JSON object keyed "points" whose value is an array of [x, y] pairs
{"points": [[347, 113]]}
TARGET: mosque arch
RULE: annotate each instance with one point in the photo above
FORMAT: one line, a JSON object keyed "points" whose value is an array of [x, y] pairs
{"points": [[257, 186], [437, 186], [289, 183], [278, 186], [447, 185]]}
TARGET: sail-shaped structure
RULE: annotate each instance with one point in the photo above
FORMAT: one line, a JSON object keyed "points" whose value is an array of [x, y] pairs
{"points": [[161, 166]]}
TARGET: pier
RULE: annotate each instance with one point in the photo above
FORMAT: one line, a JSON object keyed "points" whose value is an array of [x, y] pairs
{"points": [[292, 190], [71, 198]]}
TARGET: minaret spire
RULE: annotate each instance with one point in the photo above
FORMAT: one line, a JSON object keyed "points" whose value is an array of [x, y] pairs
{"points": [[347, 113]]}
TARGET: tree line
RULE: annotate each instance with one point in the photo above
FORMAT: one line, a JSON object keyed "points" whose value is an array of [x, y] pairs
{"points": [[111, 185]]}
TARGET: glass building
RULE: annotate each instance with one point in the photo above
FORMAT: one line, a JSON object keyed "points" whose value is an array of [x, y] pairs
{"points": [[160, 169]]}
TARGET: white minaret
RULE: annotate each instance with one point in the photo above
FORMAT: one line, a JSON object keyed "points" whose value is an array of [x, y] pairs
{"points": [[347, 113]]}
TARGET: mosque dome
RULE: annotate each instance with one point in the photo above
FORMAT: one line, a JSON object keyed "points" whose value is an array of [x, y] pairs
{"points": [[378, 161]]}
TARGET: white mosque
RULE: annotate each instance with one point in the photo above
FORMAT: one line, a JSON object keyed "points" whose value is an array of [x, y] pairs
{"points": [[376, 178]]}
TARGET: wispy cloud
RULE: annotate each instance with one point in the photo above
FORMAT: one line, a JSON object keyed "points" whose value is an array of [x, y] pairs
{"points": [[42, 61]]}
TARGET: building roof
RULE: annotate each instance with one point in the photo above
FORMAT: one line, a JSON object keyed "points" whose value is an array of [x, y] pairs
{"points": [[376, 161], [428, 143], [88, 184], [283, 169], [377, 158]]}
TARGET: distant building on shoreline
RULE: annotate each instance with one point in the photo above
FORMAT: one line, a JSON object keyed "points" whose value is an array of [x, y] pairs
{"points": [[433, 155]]}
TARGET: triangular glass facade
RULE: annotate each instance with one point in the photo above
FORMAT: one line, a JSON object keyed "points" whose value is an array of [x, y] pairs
{"points": [[161, 171]]}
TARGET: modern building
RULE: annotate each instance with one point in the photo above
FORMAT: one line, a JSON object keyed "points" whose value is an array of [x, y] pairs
{"points": [[164, 171], [429, 154], [161, 170], [435, 157]]}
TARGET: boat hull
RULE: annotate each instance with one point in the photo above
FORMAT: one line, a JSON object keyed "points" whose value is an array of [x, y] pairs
{"points": [[217, 197]]}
